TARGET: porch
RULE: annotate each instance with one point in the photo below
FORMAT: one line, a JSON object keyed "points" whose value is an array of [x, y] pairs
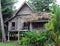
{"points": [[28, 26]]}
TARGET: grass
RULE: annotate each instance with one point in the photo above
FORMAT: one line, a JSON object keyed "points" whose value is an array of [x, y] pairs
{"points": [[8, 43]]}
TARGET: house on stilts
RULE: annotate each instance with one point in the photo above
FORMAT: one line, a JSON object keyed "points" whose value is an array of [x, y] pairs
{"points": [[26, 19]]}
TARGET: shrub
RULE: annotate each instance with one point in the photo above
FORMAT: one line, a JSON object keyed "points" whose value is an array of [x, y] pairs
{"points": [[36, 39]]}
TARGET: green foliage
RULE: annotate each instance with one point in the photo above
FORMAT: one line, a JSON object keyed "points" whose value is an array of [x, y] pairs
{"points": [[41, 5], [7, 8], [11, 43], [36, 39], [54, 24]]}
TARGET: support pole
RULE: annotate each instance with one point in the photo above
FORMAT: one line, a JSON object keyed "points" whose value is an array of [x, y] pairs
{"points": [[18, 36], [8, 36], [30, 26]]}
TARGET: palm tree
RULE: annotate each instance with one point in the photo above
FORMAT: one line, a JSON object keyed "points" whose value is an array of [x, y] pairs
{"points": [[2, 25]]}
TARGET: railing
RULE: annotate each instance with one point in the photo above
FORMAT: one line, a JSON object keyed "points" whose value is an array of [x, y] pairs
{"points": [[12, 28]]}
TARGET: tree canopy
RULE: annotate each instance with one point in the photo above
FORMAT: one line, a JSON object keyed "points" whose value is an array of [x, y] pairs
{"points": [[41, 5], [7, 8]]}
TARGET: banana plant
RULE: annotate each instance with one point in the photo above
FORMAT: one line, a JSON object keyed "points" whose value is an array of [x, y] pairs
{"points": [[54, 25]]}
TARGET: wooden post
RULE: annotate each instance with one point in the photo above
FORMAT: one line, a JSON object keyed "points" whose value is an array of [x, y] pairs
{"points": [[30, 26], [18, 36], [8, 36]]}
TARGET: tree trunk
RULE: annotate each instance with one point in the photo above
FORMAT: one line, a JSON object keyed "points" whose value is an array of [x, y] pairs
{"points": [[2, 25]]}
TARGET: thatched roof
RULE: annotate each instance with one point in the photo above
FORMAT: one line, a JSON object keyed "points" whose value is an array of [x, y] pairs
{"points": [[35, 16], [32, 17]]}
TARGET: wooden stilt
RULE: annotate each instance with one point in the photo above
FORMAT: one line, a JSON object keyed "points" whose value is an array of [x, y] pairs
{"points": [[18, 36], [8, 36], [30, 26]]}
